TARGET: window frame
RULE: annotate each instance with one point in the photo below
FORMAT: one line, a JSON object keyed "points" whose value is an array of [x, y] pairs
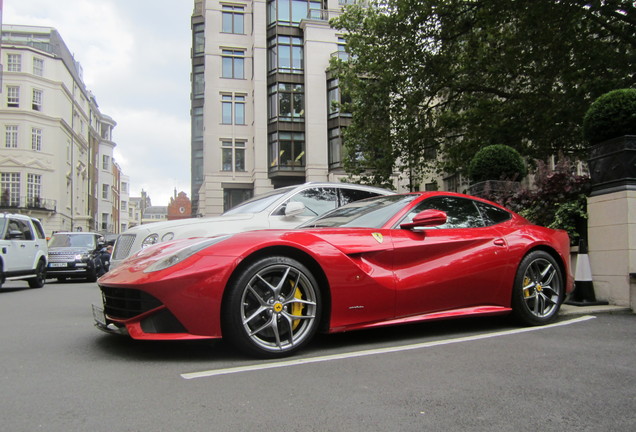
{"points": [[36, 101], [36, 139], [234, 16], [12, 64], [13, 96], [233, 63], [233, 148]]}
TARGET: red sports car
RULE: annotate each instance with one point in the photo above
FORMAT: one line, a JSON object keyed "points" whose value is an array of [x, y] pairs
{"points": [[381, 261]]}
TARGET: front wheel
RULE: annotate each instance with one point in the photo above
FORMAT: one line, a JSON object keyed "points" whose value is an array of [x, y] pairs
{"points": [[272, 308], [538, 290], [40, 276]]}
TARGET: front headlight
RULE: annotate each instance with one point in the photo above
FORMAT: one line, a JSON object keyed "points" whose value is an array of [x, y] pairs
{"points": [[150, 240], [183, 254]]}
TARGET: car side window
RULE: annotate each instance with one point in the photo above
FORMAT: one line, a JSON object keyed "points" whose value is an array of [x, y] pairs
{"points": [[460, 212], [492, 215], [317, 201], [350, 195], [22, 227]]}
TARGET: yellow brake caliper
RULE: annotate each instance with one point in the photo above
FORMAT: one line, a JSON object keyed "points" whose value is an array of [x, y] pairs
{"points": [[297, 308], [527, 292]]}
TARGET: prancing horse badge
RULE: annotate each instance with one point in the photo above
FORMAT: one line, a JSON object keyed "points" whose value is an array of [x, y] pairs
{"points": [[379, 238]]}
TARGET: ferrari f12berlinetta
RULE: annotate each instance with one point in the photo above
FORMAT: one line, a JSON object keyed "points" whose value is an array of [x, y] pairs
{"points": [[382, 261]]}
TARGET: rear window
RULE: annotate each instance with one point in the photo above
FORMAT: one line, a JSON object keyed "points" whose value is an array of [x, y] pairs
{"points": [[39, 231]]}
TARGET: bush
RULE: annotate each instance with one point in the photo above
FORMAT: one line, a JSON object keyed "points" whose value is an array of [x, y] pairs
{"points": [[611, 115], [558, 199], [496, 162]]}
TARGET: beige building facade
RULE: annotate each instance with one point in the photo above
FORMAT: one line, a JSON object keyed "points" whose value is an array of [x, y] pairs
{"points": [[261, 92], [56, 158]]}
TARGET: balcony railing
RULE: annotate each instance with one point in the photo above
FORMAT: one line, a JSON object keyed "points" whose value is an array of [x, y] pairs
{"points": [[28, 203]]}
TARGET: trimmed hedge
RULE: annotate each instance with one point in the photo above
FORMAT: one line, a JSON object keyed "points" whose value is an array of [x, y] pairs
{"points": [[497, 162], [611, 115]]}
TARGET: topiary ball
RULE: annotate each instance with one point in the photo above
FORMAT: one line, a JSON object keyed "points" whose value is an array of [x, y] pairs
{"points": [[610, 116], [497, 162]]}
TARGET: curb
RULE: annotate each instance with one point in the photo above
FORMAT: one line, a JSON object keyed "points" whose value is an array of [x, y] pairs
{"points": [[584, 310]]}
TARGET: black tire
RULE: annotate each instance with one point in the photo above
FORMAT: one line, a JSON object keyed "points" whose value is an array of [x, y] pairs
{"points": [[272, 309], [91, 274], [538, 289], [40, 276], [2, 278]]}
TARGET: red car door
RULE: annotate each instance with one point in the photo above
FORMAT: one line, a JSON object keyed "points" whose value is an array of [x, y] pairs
{"points": [[458, 265]]}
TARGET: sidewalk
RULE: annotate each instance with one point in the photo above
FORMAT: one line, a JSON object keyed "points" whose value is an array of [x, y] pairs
{"points": [[585, 310]]}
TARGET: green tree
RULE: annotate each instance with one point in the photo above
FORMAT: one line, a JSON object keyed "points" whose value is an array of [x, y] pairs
{"points": [[455, 75]]}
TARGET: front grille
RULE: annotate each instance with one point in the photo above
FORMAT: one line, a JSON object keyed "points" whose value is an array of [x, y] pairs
{"points": [[123, 245], [126, 303], [62, 256]]}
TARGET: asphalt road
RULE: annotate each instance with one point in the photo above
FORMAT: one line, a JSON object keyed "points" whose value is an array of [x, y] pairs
{"points": [[59, 373]]}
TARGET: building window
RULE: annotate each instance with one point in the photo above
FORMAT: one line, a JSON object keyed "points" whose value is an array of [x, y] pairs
{"points": [[233, 197], [37, 100], [14, 62], [233, 109], [38, 66], [233, 19], [286, 12], [198, 43], [198, 81], [105, 189], [105, 162], [10, 184], [233, 155], [124, 205], [233, 64], [197, 123], [285, 54], [286, 102], [13, 96], [105, 221], [335, 99], [11, 136], [36, 139], [34, 189], [286, 150], [335, 148], [124, 187]]}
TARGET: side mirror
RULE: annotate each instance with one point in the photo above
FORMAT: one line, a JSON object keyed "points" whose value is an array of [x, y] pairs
{"points": [[427, 218], [294, 208]]}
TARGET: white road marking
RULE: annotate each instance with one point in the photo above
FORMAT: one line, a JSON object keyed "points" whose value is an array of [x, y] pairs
{"points": [[354, 354]]}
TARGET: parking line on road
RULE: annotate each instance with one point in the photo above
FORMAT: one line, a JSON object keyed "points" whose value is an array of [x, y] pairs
{"points": [[364, 353]]}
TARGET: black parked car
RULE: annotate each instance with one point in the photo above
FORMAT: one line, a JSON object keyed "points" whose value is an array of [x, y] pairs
{"points": [[76, 255]]}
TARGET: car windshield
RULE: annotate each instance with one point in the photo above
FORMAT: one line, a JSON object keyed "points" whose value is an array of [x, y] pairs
{"points": [[72, 240], [368, 213], [259, 203]]}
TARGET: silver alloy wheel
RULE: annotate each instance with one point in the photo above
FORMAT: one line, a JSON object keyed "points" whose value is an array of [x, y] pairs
{"points": [[541, 288], [278, 307]]}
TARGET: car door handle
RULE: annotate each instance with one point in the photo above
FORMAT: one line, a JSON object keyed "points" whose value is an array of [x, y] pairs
{"points": [[499, 242]]}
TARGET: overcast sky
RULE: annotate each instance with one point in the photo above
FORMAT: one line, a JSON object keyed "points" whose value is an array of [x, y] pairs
{"points": [[136, 60]]}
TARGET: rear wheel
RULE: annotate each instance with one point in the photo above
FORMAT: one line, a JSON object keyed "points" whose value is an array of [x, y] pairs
{"points": [[273, 308], [40, 276], [538, 290]]}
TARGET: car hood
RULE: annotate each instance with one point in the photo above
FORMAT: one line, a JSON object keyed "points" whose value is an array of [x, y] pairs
{"points": [[194, 223]]}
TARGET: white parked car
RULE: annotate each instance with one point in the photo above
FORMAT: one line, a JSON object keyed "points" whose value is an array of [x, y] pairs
{"points": [[286, 207], [23, 249]]}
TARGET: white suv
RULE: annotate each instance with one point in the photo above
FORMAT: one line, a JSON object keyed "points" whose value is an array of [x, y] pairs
{"points": [[23, 249], [284, 208]]}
